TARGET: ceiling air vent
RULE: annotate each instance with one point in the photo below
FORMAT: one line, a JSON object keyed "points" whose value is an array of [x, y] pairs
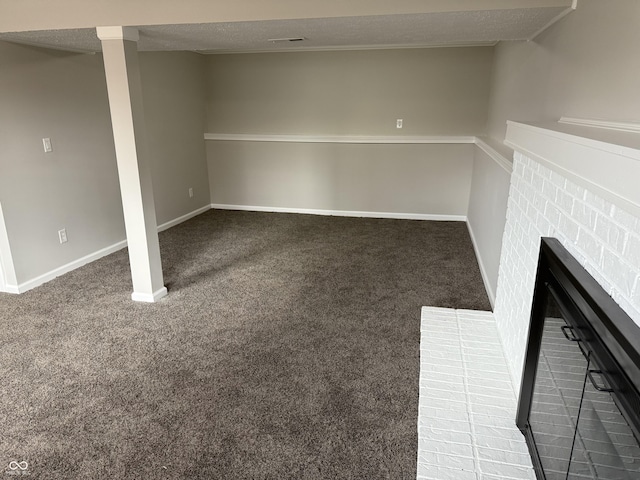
{"points": [[286, 40]]}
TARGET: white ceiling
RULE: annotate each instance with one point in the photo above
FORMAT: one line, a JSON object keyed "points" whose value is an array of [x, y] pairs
{"points": [[478, 27]]}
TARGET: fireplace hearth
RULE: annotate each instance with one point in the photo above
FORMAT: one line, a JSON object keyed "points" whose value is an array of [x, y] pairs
{"points": [[579, 405]]}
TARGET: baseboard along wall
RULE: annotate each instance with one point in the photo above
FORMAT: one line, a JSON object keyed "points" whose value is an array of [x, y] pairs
{"points": [[400, 216], [183, 218], [35, 282], [483, 271], [46, 277], [341, 213]]}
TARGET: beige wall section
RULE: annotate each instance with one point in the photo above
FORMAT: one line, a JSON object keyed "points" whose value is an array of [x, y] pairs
{"points": [[173, 93], [422, 179], [487, 215], [437, 91], [586, 66], [62, 96]]}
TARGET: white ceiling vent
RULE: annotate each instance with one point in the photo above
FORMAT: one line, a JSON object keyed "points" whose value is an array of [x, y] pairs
{"points": [[287, 39]]}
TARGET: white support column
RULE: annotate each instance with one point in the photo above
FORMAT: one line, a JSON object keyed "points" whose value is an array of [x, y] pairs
{"points": [[119, 49]]}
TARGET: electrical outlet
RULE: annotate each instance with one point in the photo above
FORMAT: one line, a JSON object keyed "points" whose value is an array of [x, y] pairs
{"points": [[62, 235], [190, 192], [399, 123], [46, 143]]}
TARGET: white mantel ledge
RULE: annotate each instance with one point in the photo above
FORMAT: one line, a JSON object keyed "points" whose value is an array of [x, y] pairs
{"points": [[604, 161]]}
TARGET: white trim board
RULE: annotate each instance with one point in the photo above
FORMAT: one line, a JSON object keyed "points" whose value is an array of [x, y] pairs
{"points": [[149, 297], [485, 277], [3, 283], [183, 218], [359, 139], [46, 277], [607, 125], [557, 18], [497, 157], [12, 289], [579, 155], [2, 280], [342, 213], [608, 143]]}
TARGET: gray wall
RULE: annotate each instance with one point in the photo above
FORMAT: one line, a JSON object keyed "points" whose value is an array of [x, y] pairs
{"points": [[435, 91], [416, 179], [46, 93], [487, 215], [173, 91], [585, 66], [63, 96]]}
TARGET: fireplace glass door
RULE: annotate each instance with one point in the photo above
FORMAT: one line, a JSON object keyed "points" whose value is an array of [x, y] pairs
{"points": [[559, 384], [579, 432], [604, 446], [579, 403]]}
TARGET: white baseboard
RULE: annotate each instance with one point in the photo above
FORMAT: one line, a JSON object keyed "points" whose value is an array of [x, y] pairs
{"points": [[183, 218], [483, 271], [11, 289], [149, 297], [36, 282], [341, 213], [44, 278]]}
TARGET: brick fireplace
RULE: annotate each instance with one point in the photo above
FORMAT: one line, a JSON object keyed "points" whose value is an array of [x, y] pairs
{"points": [[582, 186], [578, 185]]}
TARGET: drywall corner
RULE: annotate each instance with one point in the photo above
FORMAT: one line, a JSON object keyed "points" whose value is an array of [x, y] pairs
{"points": [[487, 211], [8, 282]]}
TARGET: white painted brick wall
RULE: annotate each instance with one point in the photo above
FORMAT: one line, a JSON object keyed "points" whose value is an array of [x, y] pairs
{"points": [[603, 237]]}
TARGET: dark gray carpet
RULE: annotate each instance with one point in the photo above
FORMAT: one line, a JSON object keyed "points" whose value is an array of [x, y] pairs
{"points": [[288, 347]]}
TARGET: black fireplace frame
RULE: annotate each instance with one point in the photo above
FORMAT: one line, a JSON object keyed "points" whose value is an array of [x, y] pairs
{"points": [[603, 328]]}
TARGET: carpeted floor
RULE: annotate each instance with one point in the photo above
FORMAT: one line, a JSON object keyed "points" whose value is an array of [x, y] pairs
{"points": [[288, 348]]}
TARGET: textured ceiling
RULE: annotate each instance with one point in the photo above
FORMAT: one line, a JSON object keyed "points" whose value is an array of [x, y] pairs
{"points": [[419, 30]]}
